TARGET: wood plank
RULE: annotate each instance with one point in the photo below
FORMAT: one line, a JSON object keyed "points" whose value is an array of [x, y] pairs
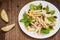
{"points": [[13, 8]]}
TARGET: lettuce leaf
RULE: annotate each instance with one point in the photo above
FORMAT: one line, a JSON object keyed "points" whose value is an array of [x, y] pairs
{"points": [[46, 31], [32, 7], [39, 7], [51, 19], [52, 12], [26, 19], [47, 8]]}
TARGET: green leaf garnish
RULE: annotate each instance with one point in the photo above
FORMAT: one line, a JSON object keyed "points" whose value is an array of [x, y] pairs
{"points": [[39, 7], [22, 20], [26, 24], [47, 8], [51, 19], [32, 7], [26, 19], [52, 12], [46, 31]]}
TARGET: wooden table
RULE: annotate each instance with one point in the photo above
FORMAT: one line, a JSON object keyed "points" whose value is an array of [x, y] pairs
{"points": [[12, 8]]}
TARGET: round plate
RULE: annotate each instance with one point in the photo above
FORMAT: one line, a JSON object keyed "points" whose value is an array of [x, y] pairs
{"points": [[35, 35]]}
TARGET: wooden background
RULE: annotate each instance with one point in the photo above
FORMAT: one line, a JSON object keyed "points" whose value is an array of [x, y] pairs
{"points": [[12, 8]]}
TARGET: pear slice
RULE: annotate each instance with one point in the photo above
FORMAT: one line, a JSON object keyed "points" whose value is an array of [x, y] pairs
{"points": [[4, 15], [7, 28]]}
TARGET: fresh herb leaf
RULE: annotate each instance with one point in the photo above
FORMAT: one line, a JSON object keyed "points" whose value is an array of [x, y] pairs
{"points": [[25, 15], [47, 8], [39, 7], [26, 19], [32, 7], [45, 31], [26, 24], [22, 20], [52, 12], [51, 19]]}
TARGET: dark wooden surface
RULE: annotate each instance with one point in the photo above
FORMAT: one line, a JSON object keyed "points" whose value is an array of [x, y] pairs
{"points": [[12, 8]]}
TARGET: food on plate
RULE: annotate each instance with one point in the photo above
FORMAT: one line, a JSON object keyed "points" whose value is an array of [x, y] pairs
{"points": [[7, 28], [4, 15], [39, 19]]}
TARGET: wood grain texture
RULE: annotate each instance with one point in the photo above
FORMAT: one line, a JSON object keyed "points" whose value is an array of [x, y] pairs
{"points": [[13, 8]]}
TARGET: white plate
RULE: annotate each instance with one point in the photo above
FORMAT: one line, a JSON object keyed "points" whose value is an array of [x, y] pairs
{"points": [[34, 35]]}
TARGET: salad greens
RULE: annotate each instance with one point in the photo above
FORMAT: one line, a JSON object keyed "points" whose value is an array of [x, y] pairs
{"points": [[51, 19], [47, 8], [39, 7], [37, 18], [34, 7], [26, 19], [46, 31], [52, 12]]}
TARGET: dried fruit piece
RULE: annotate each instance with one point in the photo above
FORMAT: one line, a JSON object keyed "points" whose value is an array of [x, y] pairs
{"points": [[7, 28], [4, 15]]}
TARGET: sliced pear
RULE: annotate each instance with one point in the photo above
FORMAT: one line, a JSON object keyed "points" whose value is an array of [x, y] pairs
{"points": [[4, 15], [7, 28]]}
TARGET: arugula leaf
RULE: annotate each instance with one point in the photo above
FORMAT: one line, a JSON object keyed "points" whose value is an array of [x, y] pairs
{"points": [[22, 20], [26, 19], [25, 15], [26, 24], [52, 12], [51, 19], [47, 8], [39, 7], [32, 7], [45, 31]]}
